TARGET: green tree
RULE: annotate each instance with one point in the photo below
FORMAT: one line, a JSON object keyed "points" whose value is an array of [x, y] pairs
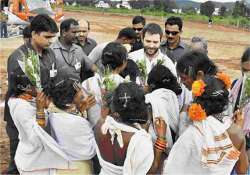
{"points": [[239, 9], [166, 5], [222, 11], [189, 10], [207, 8]]}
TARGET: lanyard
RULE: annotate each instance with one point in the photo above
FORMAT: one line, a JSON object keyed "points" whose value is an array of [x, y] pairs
{"points": [[69, 63]]}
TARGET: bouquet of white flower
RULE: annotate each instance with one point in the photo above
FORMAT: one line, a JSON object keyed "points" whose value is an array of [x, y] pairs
{"points": [[160, 62], [107, 82], [245, 92], [32, 68], [143, 70]]}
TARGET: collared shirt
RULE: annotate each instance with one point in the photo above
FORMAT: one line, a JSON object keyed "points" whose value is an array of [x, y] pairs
{"points": [[47, 64], [72, 61], [139, 55], [174, 54], [95, 55], [88, 46]]}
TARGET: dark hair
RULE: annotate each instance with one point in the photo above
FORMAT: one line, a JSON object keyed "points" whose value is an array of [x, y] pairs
{"points": [[43, 23], [129, 103], [127, 32], [20, 82], [246, 55], [139, 19], [66, 24], [215, 97], [27, 32], [152, 28], [174, 20], [197, 39], [114, 55], [192, 62], [131, 69], [161, 77], [62, 91]]}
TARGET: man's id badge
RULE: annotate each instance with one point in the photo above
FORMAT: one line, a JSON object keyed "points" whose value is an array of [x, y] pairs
{"points": [[77, 65], [53, 71]]}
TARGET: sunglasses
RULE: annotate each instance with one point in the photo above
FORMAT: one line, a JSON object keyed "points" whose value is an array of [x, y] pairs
{"points": [[137, 29], [173, 33]]}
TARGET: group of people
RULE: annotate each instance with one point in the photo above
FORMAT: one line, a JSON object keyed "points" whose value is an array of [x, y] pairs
{"points": [[144, 103]]}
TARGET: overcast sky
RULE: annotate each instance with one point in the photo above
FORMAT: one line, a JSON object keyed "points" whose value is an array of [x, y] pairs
{"points": [[215, 0]]}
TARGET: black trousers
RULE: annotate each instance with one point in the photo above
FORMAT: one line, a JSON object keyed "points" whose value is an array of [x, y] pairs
{"points": [[12, 133], [3, 28]]}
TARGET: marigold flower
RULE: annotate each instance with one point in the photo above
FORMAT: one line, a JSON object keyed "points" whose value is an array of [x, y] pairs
{"points": [[198, 87], [225, 78], [196, 113]]}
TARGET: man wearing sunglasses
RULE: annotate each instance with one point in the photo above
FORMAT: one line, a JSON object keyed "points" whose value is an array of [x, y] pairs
{"points": [[138, 23], [173, 47]]}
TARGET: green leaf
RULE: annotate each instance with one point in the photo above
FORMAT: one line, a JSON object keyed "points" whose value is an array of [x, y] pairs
{"points": [[32, 68]]}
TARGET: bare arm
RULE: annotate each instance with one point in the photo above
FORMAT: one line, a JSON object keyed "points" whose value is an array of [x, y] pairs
{"points": [[160, 127], [239, 141], [242, 164]]}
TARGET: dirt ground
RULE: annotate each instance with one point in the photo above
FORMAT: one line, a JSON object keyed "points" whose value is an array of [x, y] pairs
{"points": [[225, 47]]}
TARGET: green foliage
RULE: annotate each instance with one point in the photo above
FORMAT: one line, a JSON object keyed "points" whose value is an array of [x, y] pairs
{"points": [[227, 20], [207, 8], [245, 94], [160, 62], [189, 10], [108, 82], [223, 11], [239, 9], [143, 69], [32, 68]]}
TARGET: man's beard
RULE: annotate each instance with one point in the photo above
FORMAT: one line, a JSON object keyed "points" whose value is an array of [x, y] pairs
{"points": [[150, 54]]}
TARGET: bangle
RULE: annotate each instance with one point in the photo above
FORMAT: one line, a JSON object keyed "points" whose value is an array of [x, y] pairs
{"points": [[40, 113], [159, 147], [41, 122], [161, 141], [161, 138], [160, 144]]}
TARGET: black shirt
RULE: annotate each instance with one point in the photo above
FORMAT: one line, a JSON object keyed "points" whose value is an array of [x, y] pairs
{"points": [[131, 69], [46, 61], [137, 46]]}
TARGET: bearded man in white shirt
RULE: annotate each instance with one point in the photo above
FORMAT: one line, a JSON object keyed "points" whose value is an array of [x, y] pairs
{"points": [[151, 37]]}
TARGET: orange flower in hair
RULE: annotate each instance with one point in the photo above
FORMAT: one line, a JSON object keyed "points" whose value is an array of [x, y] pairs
{"points": [[196, 113], [198, 87], [225, 78]]}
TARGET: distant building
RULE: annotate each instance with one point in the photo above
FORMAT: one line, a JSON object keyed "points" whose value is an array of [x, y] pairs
{"points": [[216, 12], [102, 4], [177, 11]]}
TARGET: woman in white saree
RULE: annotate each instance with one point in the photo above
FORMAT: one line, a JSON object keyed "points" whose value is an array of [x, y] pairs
{"points": [[123, 144], [114, 60], [206, 147], [55, 140], [164, 90]]}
